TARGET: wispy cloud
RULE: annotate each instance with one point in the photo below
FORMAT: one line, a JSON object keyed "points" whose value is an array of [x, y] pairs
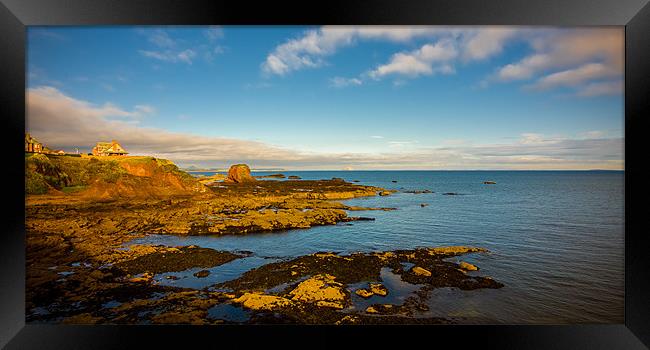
{"points": [[166, 48], [573, 58], [214, 33], [310, 50], [64, 122], [420, 62], [184, 56], [340, 82]]}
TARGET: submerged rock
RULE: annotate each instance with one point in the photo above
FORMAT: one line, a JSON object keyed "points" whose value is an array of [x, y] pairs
{"points": [[202, 274], [239, 173]]}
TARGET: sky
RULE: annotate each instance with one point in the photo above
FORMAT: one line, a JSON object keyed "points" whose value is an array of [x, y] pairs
{"points": [[334, 97]]}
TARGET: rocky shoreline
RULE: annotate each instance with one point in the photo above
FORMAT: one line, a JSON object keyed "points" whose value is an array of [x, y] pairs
{"points": [[79, 271]]}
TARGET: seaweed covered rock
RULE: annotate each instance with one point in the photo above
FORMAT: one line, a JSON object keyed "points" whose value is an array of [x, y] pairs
{"points": [[239, 173]]}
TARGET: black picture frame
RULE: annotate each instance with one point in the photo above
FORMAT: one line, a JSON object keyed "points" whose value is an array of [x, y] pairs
{"points": [[15, 15]]}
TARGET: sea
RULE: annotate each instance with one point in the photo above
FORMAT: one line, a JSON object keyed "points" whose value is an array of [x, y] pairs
{"points": [[555, 240]]}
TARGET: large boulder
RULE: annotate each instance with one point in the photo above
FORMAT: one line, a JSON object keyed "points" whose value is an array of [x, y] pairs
{"points": [[239, 173]]}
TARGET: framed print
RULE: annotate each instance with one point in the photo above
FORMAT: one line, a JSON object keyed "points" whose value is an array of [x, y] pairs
{"points": [[213, 170]]}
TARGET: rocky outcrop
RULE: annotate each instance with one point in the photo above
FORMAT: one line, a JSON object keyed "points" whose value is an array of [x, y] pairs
{"points": [[239, 173], [467, 266], [421, 272]]}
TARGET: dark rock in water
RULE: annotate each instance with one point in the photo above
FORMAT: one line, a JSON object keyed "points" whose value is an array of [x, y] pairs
{"points": [[358, 218], [245, 252], [418, 191], [338, 179], [294, 177], [355, 181], [384, 193], [395, 181], [202, 273], [171, 277], [489, 182], [239, 173], [424, 205], [451, 194], [278, 176]]}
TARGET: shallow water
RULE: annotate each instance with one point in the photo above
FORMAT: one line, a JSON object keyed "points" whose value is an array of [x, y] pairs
{"points": [[555, 239]]}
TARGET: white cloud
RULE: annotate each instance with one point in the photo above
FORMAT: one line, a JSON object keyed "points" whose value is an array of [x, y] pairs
{"points": [[567, 48], [309, 50], [419, 62], [601, 88], [340, 82], [575, 76], [487, 42]]}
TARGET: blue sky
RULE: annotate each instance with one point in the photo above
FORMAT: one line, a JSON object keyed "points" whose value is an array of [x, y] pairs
{"points": [[334, 97]]}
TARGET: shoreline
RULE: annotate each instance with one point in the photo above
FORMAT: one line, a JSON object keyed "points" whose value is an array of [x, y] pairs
{"points": [[79, 272]]}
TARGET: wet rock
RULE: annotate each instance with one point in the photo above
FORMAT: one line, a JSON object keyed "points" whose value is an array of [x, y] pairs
{"points": [[455, 250], [202, 274], [394, 181], [489, 182], [379, 289], [145, 277], [384, 193], [357, 218], [294, 177], [276, 176], [467, 266], [424, 205], [171, 277], [176, 260], [356, 181], [320, 290], [420, 271], [349, 319], [84, 318], [259, 301], [450, 194], [371, 310], [239, 173], [418, 191], [364, 293]]}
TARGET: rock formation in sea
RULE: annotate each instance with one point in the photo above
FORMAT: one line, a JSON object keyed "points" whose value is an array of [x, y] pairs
{"points": [[239, 173]]}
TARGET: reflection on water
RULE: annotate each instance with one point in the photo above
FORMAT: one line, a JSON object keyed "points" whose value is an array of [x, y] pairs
{"points": [[218, 274], [555, 239], [228, 312], [398, 291]]}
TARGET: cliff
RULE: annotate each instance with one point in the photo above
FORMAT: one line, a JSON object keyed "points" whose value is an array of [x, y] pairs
{"points": [[107, 177]]}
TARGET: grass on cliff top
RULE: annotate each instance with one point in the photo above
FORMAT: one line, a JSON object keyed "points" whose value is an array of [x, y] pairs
{"points": [[72, 174]]}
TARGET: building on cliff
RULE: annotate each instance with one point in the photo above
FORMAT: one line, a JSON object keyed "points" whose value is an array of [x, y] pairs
{"points": [[112, 148], [31, 145]]}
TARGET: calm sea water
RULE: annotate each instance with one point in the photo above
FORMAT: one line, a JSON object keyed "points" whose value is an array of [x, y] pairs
{"points": [[556, 240]]}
